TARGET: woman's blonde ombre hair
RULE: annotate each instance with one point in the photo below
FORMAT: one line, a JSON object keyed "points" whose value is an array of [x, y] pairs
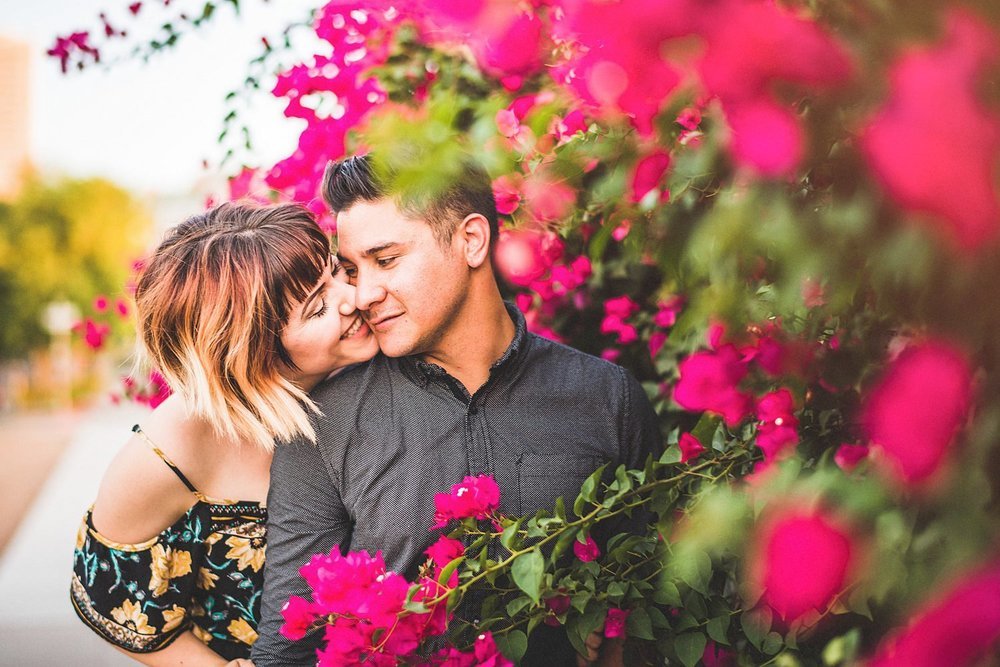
{"points": [[212, 301]]}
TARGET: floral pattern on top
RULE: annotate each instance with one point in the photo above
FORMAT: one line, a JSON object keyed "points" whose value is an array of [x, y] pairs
{"points": [[203, 573]]}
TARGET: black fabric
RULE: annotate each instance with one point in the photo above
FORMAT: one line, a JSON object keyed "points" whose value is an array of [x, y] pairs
{"points": [[397, 431]]}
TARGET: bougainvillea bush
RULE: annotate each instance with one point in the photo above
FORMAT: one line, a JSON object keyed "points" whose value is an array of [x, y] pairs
{"points": [[783, 217]]}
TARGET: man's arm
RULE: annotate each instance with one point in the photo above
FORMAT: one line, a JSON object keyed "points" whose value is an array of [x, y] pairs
{"points": [[640, 430], [305, 517]]}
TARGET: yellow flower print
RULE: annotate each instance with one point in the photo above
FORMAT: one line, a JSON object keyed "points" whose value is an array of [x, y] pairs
{"points": [[130, 615], [201, 633], [166, 565], [206, 579], [173, 617], [212, 539], [250, 552], [242, 631]]}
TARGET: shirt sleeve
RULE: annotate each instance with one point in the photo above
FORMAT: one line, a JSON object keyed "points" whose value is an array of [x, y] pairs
{"points": [[640, 437], [136, 596], [305, 517]]}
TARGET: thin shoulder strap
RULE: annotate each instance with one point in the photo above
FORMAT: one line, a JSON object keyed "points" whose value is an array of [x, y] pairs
{"points": [[170, 464]]}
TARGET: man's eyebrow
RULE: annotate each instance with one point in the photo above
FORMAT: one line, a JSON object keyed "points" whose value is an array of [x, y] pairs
{"points": [[374, 250]]}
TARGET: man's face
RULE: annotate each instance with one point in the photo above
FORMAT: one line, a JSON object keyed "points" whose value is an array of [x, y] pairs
{"points": [[409, 286]]}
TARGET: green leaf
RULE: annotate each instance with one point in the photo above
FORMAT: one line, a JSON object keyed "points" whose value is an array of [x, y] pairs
{"points": [[448, 569], [717, 628], [756, 623], [588, 491], [579, 627], [689, 647], [658, 618], [509, 537], [527, 571], [639, 625], [772, 643], [560, 509], [512, 644], [667, 593], [517, 605]]}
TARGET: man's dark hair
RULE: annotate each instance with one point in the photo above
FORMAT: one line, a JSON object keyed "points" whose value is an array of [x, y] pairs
{"points": [[353, 179]]}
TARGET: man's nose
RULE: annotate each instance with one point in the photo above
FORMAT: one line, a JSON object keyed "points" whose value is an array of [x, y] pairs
{"points": [[369, 291]]}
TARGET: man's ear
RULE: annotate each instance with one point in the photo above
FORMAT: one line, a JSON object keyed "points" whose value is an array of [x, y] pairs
{"points": [[474, 232]]}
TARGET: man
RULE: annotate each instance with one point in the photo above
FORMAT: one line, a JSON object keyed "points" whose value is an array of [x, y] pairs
{"points": [[460, 388]]}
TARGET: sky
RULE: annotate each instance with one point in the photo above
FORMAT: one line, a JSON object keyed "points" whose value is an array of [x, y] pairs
{"points": [[148, 126]]}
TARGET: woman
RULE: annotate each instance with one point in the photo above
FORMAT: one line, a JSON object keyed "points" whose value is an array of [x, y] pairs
{"points": [[243, 312]]}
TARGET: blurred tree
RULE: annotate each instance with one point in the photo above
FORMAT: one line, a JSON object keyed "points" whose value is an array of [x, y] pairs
{"points": [[67, 240]]}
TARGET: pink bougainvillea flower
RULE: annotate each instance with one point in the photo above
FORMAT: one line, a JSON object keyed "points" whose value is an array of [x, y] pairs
{"points": [[100, 303], [507, 192], [657, 340], [647, 175], [924, 165], [915, 411], [557, 606], [299, 617], [752, 47], [959, 627], [512, 52], [777, 432], [94, 333], [616, 312], [614, 622], [667, 311], [242, 184], [507, 123], [709, 380], [121, 307], [849, 455], [523, 256], [443, 552], [570, 125], [690, 446], [484, 653], [799, 561], [547, 199], [586, 551], [474, 497], [717, 656], [689, 118]]}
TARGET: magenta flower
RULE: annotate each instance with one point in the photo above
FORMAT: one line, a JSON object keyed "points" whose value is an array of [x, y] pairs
{"points": [[121, 307], [648, 173], [667, 311], [800, 560], [709, 380], [917, 408], [848, 456], [100, 303], [557, 606], [443, 552], [94, 333], [523, 256], [778, 428], [960, 626], [586, 551], [507, 192], [924, 164], [484, 653], [299, 617], [614, 622], [657, 340], [473, 497], [616, 312], [507, 123], [690, 446]]}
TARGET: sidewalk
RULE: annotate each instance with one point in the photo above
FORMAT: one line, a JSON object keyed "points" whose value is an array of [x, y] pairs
{"points": [[37, 623]]}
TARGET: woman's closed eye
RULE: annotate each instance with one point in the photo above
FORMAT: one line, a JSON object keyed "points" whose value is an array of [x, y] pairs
{"points": [[321, 311]]}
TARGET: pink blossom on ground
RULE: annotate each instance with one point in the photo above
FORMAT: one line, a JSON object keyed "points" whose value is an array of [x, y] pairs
{"points": [[690, 446], [959, 626], [799, 560], [648, 173], [848, 456], [914, 413], [777, 431], [614, 622], [709, 380], [924, 164], [299, 617], [586, 551], [474, 497]]}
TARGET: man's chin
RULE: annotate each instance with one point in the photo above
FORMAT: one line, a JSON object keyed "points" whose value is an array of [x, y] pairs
{"points": [[393, 347]]}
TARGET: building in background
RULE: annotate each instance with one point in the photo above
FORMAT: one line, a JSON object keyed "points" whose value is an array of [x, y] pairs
{"points": [[15, 64]]}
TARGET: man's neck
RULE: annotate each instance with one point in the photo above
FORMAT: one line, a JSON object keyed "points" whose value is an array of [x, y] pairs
{"points": [[478, 338]]}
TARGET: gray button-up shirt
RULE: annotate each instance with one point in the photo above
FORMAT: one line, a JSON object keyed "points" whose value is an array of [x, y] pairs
{"points": [[396, 431]]}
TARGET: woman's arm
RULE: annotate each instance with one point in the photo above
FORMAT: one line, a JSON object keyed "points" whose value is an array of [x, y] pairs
{"points": [[186, 650]]}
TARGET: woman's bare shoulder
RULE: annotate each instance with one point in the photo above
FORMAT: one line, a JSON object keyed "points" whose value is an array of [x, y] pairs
{"points": [[140, 495]]}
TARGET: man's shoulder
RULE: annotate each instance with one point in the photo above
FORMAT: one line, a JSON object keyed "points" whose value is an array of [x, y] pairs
{"points": [[547, 351], [349, 381]]}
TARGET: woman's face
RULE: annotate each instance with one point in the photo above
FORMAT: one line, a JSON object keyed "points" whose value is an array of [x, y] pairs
{"points": [[325, 331]]}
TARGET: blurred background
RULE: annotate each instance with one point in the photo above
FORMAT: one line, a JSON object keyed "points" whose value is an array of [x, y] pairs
{"points": [[94, 166]]}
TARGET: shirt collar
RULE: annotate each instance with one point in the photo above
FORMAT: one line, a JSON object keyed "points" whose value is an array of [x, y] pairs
{"points": [[422, 372]]}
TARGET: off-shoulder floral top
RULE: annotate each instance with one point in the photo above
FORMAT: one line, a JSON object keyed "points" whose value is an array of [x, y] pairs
{"points": [[204, 573]]}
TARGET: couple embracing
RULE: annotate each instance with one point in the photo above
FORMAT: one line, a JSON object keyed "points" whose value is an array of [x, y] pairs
{"points": [[347, 391]]}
